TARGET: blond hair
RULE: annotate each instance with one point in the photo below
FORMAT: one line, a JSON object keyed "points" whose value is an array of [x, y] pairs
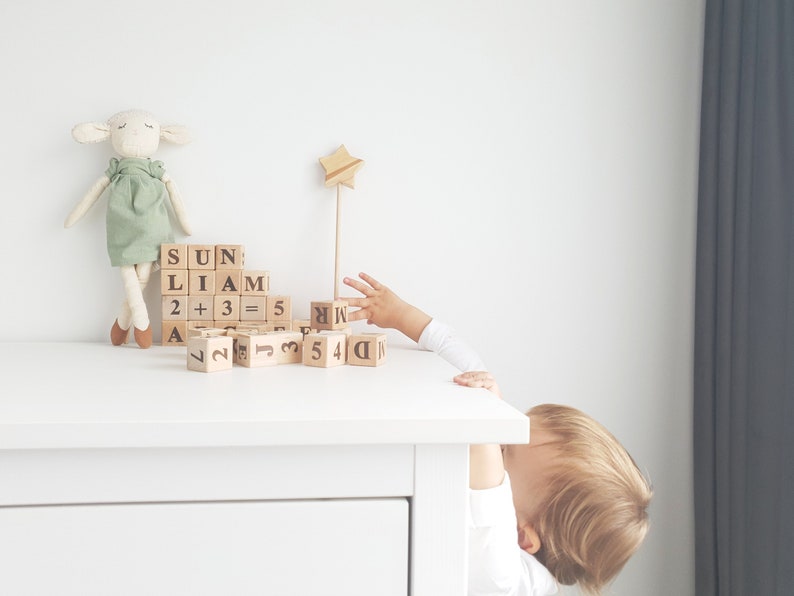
{"points": [[594, 514]]}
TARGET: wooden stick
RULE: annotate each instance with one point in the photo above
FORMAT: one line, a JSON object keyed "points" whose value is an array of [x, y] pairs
{"points": [[338, 226]]}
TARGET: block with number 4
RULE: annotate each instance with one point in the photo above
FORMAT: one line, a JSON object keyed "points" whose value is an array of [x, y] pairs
{"points": [[324, 349]]}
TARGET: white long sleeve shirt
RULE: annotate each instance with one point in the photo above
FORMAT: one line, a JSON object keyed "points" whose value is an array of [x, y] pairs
{"points": [[497, 564]]}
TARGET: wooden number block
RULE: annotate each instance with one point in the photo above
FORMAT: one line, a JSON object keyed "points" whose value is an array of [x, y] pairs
{"points": [[173, 256], [279, 308], [367, 349], [289, 346], [330, 314], [304, 326], [201, 282], [174, 333], [227, 281], [226, 308], [200, 308], [201, 256], [174, 308], [281, 325], [324, 349], [252, 308], [255, 283], [254, 349], [229, 256], [173, 282], [209, 354]]}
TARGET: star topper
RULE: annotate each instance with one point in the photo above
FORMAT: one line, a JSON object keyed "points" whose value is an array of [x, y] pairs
{"points": [[340, 169]]}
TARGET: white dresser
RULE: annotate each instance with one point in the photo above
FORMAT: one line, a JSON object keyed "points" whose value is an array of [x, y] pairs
{"points": [[123, 473]]}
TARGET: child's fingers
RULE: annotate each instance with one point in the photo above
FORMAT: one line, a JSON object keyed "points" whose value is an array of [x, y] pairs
{"points": [[357, 285], [376, 285]]}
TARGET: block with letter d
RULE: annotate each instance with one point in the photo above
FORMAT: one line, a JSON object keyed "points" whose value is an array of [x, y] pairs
{"points": [[209, 353], [367, 349]]}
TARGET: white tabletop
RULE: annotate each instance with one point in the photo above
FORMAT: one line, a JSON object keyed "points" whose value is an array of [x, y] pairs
{"points": [[73, 395]]}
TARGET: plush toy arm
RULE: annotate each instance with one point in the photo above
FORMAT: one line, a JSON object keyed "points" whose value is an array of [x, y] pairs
{"points": [[177, 204], [87, 201]]}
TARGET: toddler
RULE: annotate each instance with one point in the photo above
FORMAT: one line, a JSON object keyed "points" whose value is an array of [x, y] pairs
{"points": [[570, 507]]}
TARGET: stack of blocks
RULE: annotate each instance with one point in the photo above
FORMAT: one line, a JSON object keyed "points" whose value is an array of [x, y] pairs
{"points": [[225, 316]]}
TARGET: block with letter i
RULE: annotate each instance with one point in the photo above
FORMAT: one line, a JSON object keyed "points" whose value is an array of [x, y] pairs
{"points": [[209, 353], [329, 314], [324, 350], [367, 349]]}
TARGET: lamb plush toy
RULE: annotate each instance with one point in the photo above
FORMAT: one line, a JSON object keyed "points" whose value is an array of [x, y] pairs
{"points": [[137, 219]]}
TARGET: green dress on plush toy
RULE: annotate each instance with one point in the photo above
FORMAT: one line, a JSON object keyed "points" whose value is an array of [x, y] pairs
{"points": [[137, 220]]}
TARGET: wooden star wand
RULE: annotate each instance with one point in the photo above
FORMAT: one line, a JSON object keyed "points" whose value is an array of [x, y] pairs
{"points": [[340, 169]]}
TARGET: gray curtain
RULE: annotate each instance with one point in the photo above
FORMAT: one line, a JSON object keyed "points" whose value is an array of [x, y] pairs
{"points": [[744, 311]]}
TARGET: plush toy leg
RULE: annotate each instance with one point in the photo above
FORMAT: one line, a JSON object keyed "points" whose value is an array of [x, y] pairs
{"points": [[135, 278]]}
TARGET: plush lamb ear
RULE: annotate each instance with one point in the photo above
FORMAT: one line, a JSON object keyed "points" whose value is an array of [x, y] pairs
{"points": [[91, 132], [174, 133]]}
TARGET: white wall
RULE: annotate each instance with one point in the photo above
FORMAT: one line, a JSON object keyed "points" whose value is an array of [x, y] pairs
{"points": [[530, 178]]}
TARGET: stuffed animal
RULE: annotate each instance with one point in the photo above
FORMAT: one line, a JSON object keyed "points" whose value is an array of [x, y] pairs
{"points": [[137, 218]]}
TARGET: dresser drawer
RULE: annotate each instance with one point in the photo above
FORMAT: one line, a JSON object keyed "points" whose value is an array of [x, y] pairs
{"points": [[344, 547]]}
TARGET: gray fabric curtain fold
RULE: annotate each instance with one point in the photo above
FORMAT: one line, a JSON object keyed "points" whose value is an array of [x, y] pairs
{"points": [[744, 309]]}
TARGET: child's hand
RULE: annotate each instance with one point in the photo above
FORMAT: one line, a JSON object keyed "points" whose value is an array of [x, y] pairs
{"points": [[479, 378], [382, 307]]}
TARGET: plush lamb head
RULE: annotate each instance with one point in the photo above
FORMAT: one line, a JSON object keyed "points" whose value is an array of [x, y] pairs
{"points": [[133, 133]]}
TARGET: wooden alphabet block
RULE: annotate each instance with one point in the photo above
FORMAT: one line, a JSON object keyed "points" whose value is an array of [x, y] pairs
{"points": [[200, 308], [227, 281], [209, 354], [226, 325], [279, 308], [229, 256], [281, 325], [205, 332], [173, 282], [173, 256], [255, 350], [255, 283], [324, 350], [174, 333], [226, 308], [330, 314], [201, 256], [201, 281], [174, 308], [367, 349], [289, 346], [303, 325]]}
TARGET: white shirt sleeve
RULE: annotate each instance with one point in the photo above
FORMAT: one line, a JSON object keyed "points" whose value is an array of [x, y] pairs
{"points": [[497, 565], [440, 338]]}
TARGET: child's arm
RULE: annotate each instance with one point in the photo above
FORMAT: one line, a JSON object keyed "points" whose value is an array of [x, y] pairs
{"points": [[486, 466], [382, 307]]}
